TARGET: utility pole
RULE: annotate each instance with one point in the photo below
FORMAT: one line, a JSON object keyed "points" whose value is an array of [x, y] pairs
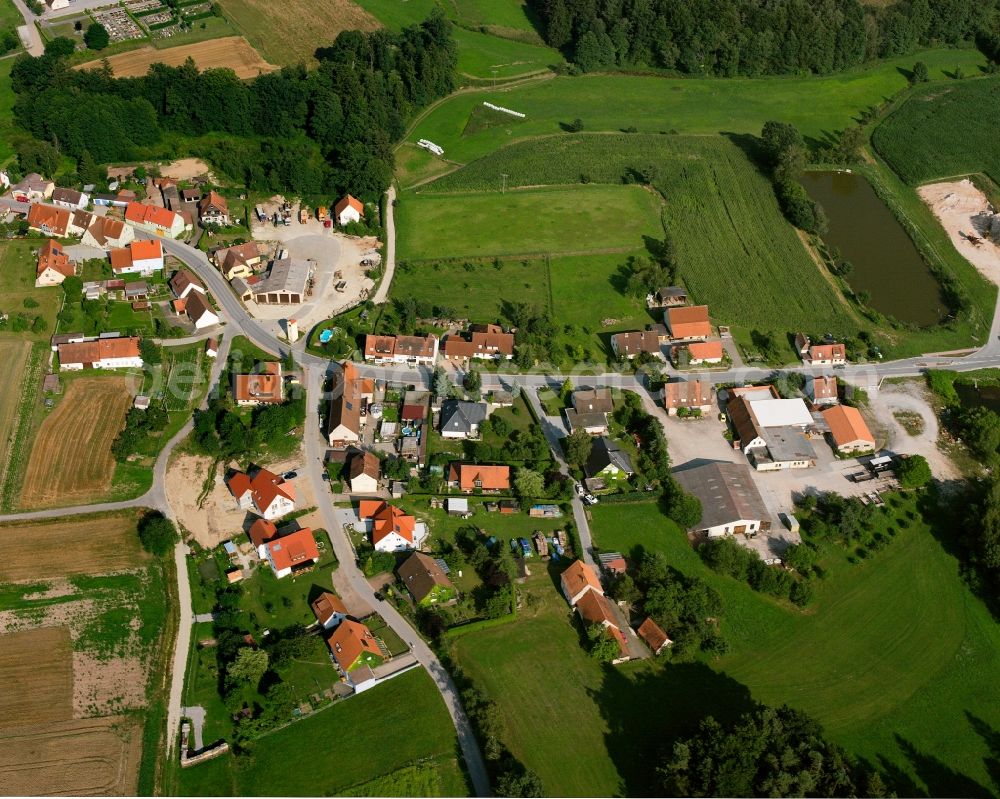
{"points": [[503, 188]]}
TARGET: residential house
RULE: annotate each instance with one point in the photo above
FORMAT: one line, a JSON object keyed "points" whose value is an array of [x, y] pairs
{"points": [[693, 395], [669, 296], [54, 265], [32, 188], [353, 646], [461, 419], [140, 257], [392, 529], [329, 610], [636, 342], [426, 580], [213, 210], [259, 388], [101, 353], [590, 411], [828, 354], [349, 397], [292, 553], [49, 220], [469, 477], [613, 563], [730, 501], [821, 390], [70, 198], [697, 353], [238, 260], [260, 532], [348, 210], [184, 282], [848, 431], [401, 349], [198, 310], [154, 219], [608, 460], [595, 608], [688, 323], [770, 430], [651, 632], [265, 494], [482, 341], [363, 472], [577, 580], [106, 233]]}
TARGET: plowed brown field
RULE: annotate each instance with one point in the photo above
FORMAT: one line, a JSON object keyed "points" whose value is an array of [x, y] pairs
{"points": [[233, 52], [71, 458], [36, 672]]}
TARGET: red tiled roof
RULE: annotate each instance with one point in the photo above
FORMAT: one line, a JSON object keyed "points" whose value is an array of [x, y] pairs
{"points": [[349, 641], [238, 484], [140, 213], [56, 220], [705, 350], [349, 201], [687, 394], [261, 531], [386, 520], [294, 549], [266, 486], [51, 256], [651, 632], [327, 604], [690, 321], [102, 349], [827, 352], [491, 478], [847, 425], [578, 577]]}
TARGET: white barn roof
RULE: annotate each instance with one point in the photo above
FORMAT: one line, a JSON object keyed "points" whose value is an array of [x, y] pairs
{"points": [[781, 413]]}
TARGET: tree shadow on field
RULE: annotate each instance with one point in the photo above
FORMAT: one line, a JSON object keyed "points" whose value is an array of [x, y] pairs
{"points": [[648, 708], [752, 148], [906, 73], [940, 778], [991, 737]]}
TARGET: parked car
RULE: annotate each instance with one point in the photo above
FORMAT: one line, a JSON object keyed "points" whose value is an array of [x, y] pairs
{"points": [[525, 547], [590, 499], [289, 475], [579, 489]]}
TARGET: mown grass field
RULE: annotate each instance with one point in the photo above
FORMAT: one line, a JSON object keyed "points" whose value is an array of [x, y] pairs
{"points": [[895, 657], [14, 356], [18, 260], [819, 106], [537, 221], [944, 131], [407, 709], [481, 55], [504, 14]]}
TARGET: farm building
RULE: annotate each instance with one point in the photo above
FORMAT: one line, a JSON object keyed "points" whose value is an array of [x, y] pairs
{"points": [[350, 393], [482, 341], [578, 580], [183, 282], [329, 610], [730, 501], [457, 506], [698, 353], [213, 209], [637, 342], [54, 265], [154, 219], [688, 323], [363, 471], [469, 477], [821, 390], [286, 283], [689, 394], [461, 419], [348, 210], [608, 460], [426, 580], [292, 553], [195, 306], [613, 563], [141, 257], [829, 354], [848, 430], [595, 608], [401, 349], [265, 494], [669, 296], [70, 198], [101, 353], [769, 430], [392, 529], [260, 388], [651, 632]]}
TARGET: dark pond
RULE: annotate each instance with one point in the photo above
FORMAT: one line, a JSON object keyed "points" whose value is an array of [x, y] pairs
{"points": [[886, 263], [983, 396]]}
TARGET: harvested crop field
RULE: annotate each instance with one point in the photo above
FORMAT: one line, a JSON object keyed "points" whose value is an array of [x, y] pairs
{"points": [[97, 544], [290, 32], [233, 52], [36, 670], [71, 458], [14, 356], [89, 757]]}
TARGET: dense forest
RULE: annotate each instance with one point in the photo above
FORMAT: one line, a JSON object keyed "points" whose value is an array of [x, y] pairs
{"points": [[753, 37], [325, 130]]}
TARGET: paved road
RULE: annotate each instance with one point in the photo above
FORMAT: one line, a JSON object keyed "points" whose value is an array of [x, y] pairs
{"points": [[390, 248], [35, 46]]}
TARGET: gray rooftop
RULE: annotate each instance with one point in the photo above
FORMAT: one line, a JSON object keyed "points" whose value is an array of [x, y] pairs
{"points": [[285, 275], [458, 416], [605, 452], [726, 490], [788, 444]]}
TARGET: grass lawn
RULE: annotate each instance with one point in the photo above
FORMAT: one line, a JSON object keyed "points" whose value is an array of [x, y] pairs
{"points": [[6, 112], [892, 657], [17, 285], [274, 603], [285, 762], [818, 106], [552, 220], [512, 14], [481, 55]]}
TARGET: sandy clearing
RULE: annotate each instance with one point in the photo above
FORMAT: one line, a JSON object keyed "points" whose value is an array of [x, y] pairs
{"points": [[962, 209], [186, 169], [218, 519], [912, 396], [233, 52]]}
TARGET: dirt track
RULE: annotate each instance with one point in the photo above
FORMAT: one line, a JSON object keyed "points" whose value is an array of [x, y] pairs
{"points": [[233, 52]]}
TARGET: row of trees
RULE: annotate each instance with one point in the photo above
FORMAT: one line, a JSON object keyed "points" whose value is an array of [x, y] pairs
{"points": [[726, 556], [321, 131], [752, 37]]}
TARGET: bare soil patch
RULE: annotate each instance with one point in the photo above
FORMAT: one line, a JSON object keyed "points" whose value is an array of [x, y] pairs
{"points": [[36, 672], [233, 52], [107, 684], [97, 544], [71, 458], [963, 210], [217, 518], [186, 169], [92, 757]]}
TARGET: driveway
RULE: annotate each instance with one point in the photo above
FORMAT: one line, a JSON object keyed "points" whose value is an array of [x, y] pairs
{"points": [[912, 397]]}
